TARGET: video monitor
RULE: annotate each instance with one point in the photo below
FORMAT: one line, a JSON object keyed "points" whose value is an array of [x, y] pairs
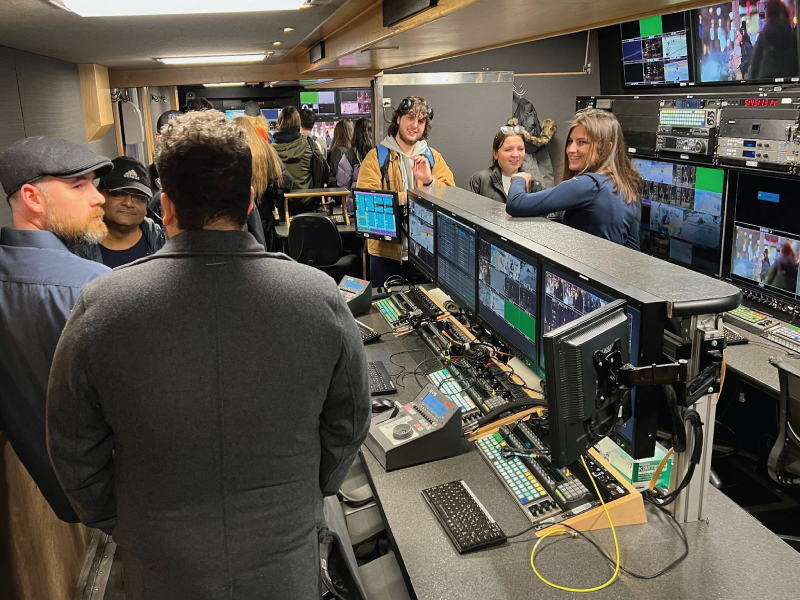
{"points": [[655, 50], [766, 235], [682, 213], [270, 114], [507, 286], [567, 298], [421, 234], [323, 130], [232, 114], [355, 102], [378, 215], [456, 258], [322, 103], [744, 41]]}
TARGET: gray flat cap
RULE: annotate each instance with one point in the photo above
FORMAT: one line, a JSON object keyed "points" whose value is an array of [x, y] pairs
{"points": [[30, 159]]}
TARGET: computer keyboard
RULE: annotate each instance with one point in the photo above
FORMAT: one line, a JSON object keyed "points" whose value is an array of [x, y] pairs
{"points": [[732, 338], [467, 523], [380, 382], [368, 334]]}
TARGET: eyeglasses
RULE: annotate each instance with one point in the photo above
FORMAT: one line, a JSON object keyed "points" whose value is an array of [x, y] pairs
{"points": [[507, 129], [122, 194]]}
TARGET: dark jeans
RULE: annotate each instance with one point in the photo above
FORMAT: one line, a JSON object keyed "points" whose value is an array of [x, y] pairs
{"points": [[381, 269]]}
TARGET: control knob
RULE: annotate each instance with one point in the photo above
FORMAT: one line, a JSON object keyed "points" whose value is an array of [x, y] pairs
{"points": [[402, 431]]}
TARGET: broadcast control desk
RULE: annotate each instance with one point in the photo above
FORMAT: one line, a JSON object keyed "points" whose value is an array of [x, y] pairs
{"points": [[731, 557]]}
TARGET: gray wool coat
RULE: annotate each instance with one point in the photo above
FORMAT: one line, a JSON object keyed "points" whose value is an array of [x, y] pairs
{"points": [[202, 401]]}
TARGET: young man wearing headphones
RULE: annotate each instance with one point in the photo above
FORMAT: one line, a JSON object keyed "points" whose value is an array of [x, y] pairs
{"points": [[403, 161]]}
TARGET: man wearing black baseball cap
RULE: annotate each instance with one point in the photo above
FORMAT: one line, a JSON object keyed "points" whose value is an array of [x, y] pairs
{"points": [[54, 204], [131, 233]]}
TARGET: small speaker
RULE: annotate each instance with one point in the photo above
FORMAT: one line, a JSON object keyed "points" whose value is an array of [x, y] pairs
{"points": [[399, 10], [316, 53], [190, 96]]}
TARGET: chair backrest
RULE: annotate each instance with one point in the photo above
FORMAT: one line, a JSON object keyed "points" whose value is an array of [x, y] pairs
{"points": [[784, 458], [314, 240]]}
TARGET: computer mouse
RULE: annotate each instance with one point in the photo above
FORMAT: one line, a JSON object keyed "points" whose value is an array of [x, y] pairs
{"points": [[381, 404]]}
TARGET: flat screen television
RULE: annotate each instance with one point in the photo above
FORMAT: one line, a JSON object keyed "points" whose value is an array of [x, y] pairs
{"points": [[324, 131], [355, 102], [747, 40], [656, 50], [322, 103]]}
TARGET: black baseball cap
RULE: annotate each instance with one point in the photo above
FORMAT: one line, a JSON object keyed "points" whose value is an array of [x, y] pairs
{"points": [[28, 160], [127, 173], [251, 109]]}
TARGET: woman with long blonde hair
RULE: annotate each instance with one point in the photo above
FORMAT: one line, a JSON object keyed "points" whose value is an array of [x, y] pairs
{"points": [[599, 189], [270, 178]]}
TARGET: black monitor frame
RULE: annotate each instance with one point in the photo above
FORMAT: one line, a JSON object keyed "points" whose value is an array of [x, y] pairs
{"points": [[723, 217], [354, 116], [508, 239], [698, 55], [690, 59], [423, 268], [318, 115], [397, 211], [470, 223]]}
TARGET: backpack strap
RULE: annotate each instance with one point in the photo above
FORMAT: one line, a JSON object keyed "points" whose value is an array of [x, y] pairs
{"points": [[383, 161]]}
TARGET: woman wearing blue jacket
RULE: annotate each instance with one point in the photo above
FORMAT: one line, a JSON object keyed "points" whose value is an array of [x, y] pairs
{"points": [[599, 189]]}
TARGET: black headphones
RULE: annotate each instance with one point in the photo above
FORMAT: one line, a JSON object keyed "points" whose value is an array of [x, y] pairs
{"points": [[406, 104]]}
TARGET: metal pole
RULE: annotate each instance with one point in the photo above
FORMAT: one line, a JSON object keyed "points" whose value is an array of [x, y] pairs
{"points": [[691, 505]]}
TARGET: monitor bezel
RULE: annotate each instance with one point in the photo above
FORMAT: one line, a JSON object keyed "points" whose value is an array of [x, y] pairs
{"points": [[396, 210], [423, 268], [690, 58], [355, 116], [723, 214], [444, 286], [335, 112], [532, 362]]}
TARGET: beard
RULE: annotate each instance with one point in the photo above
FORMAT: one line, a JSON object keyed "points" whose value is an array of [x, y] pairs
{"points": [[74, 230]]}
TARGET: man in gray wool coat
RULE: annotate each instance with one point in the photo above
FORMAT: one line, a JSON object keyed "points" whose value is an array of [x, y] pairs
{"points": [[205, 398]]}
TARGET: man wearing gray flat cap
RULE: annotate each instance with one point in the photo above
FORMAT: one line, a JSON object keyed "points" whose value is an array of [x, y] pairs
{"points": [[54, 204]]}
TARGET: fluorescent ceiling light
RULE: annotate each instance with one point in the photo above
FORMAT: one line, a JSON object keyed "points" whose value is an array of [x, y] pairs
{"points": [[235, 84], [123, 8], [207, 60]]}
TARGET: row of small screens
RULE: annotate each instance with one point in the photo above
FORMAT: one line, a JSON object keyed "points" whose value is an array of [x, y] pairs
{"points": [[344, 103], [717, 43], [491, 277]]}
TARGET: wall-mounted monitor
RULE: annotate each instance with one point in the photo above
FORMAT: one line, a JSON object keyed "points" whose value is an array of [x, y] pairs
{"points": [[766, 235], [355, 102], [747, 40], [232, 114], [422, 235], [324, 131], [456, 248], [682, 208], [656, 50], [322, 103], [507, 293]]}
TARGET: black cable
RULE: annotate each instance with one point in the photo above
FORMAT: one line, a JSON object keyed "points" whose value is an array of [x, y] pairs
{"points": [[524, 531]]}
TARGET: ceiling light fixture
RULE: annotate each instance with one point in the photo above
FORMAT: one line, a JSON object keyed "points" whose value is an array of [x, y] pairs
{"points": [[207, 60], [276, 43], [288, 29], [234, 84], [125, 8]]}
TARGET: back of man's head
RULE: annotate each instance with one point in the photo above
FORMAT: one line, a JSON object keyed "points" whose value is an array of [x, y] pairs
{"points": [[205, 168], [307, 118]]}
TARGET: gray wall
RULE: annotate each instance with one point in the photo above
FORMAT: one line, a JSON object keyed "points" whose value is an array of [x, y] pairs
{"points": [[42, 96], [552, 95], [454, 124]]}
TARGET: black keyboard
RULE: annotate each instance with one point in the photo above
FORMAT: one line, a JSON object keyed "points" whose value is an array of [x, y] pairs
{"points": [[732, 338], [467, 523], [379, 380], [368, 334]]}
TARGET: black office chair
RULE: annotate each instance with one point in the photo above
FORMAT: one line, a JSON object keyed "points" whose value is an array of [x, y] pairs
{"points": [[314, 240], [783, 463]]}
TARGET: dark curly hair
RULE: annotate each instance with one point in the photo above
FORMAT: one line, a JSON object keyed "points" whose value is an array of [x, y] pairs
{"points": [[418, 106]]}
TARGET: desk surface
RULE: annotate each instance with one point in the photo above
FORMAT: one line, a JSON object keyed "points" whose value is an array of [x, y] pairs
{"points": [[749, 361], [282, 230], [731, 557]]}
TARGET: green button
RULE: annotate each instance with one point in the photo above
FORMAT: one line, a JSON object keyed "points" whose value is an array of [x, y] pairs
{"points": [[498, 437]]}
